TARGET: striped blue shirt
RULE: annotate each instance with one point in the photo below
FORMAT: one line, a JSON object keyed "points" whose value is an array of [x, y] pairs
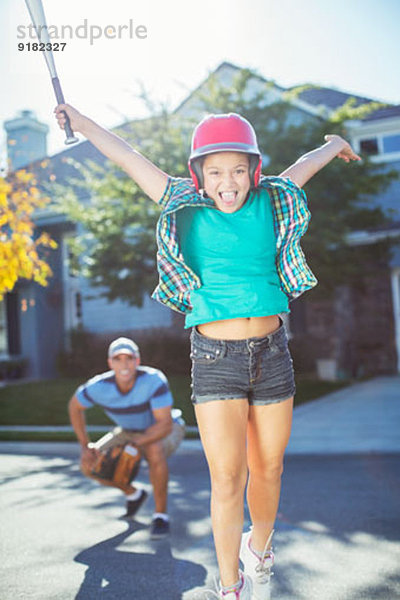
{"points": [[134, 409]]}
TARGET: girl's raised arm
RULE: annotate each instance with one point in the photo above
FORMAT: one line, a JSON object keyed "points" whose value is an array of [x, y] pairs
{"points": [[149, 177], [309, 164]]}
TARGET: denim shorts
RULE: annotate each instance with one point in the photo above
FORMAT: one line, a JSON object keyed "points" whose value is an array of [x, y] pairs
{"points": [[259, 369]]}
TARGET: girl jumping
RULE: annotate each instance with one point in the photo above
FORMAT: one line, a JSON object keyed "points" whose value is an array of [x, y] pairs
{"points": [[229, 258]]}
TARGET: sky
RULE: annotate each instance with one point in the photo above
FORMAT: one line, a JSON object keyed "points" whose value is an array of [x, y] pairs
{"points": [[352, 45]]}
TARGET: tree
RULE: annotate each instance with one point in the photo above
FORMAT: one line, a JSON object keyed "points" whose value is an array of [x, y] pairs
{"points": [[19, 249], [118, 248]]}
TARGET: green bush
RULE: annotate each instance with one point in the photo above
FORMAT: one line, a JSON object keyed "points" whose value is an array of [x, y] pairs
{"points": [[12, 368], [86, 357], [166, 351], [303, 359], [163, 350]]}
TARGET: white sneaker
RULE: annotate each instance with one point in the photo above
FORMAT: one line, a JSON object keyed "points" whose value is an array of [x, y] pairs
{"points": [[258, 569], [244, 593]]}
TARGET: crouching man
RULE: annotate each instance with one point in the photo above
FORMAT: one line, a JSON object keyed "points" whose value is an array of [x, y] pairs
{"points": [[138, 400]]}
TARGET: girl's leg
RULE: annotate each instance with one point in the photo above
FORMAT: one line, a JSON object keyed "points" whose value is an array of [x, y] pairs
{"points": [[222, 425], [268, 435]]}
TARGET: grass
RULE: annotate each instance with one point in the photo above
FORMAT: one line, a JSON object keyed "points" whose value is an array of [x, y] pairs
{"points": [[45, 403], [43, 436]]}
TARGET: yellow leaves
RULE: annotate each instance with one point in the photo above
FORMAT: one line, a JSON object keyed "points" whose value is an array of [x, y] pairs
{"points": [[46, 241], [23, 176], [25, 227], [19, 250], [5, 187]]}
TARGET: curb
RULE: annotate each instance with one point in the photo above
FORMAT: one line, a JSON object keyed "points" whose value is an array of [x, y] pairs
{"points": [[67, 428]]}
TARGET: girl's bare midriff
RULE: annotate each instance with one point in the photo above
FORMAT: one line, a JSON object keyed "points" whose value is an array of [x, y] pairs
{"points": [[240, 329]]}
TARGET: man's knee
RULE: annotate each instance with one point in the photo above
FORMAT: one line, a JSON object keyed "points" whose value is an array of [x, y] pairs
{"points": [[155, 456]]}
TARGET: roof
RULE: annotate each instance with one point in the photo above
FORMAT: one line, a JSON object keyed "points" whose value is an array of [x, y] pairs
{"points": [[387, 112], [329, 97], [223, 68], [333, 99], [56, 168]]}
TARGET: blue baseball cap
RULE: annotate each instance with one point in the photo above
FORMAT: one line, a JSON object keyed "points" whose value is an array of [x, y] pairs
{"points": [[123, 345]]}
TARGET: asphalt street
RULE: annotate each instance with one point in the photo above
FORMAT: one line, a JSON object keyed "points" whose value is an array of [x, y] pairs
{"points": [[337, 533]]}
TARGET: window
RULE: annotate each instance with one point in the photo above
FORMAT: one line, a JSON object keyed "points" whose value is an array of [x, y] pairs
{"points": [[369, 146], [391, 143], [383, 147]]}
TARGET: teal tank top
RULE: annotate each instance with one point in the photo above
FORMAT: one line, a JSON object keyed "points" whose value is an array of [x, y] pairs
{"points": [[234, 256]]}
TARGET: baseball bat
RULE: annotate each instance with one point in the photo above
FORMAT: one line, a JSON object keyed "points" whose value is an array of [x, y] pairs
{"points": [[38, 19]]}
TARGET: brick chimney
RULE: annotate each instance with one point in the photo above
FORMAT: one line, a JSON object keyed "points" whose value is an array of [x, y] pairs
{"points": [[26, 140]]}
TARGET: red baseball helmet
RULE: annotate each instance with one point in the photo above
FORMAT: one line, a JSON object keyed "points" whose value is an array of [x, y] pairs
{"points": [[224, 133]]}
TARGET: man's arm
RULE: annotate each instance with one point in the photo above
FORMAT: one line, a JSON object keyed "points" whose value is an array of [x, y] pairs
{"points": [[150, 178], [159, 430], [309, 164], [78, 422]]}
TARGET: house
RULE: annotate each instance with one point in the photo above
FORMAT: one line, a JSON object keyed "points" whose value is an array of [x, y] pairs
{"points": [[36, 322], [353, 334]]}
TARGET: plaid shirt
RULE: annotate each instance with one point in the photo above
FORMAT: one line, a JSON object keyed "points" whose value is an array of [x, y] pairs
{"points": [[291, 217]]}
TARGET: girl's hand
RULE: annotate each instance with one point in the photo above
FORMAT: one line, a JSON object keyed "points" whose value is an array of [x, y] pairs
{"points": [[77, 120], [150, 178], [345, 151]]}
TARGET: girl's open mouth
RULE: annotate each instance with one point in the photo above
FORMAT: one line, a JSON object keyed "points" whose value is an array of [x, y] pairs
{"points": [[228, 197]]}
